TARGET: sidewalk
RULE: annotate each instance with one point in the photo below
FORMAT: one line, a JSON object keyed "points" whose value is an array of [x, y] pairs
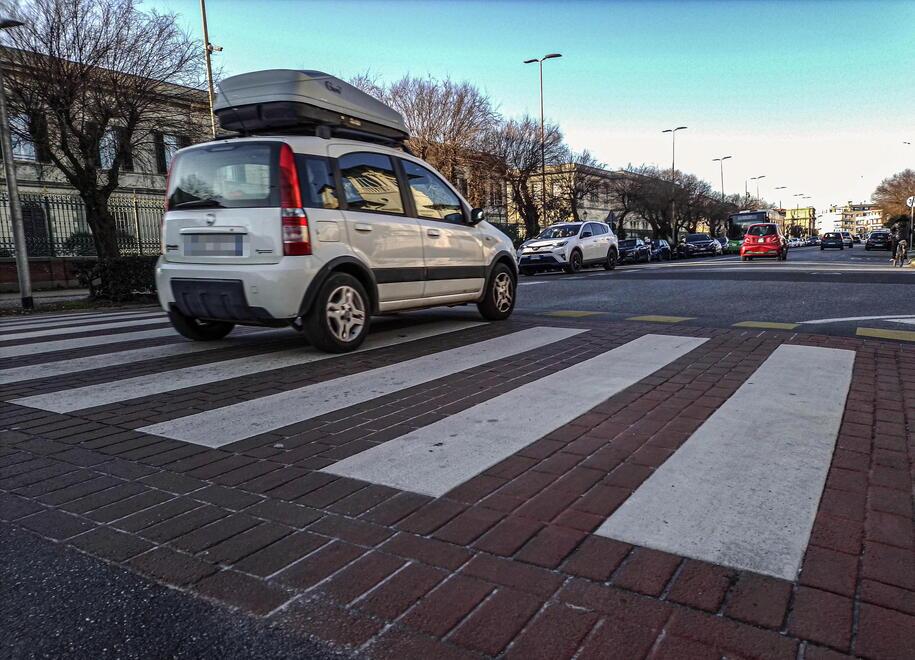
{"points": [[12, 300]]}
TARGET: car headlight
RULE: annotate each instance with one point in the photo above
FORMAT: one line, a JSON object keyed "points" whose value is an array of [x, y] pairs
{"points": [[560, 244]]}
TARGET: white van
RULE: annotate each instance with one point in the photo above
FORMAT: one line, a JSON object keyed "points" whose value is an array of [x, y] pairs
{"points": [[318, 218]]}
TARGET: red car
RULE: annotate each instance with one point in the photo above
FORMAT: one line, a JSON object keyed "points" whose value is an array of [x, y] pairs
{"points": [[764, 240]]}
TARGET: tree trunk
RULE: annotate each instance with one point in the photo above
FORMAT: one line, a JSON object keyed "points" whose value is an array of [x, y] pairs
{"points": [[104, 230]]}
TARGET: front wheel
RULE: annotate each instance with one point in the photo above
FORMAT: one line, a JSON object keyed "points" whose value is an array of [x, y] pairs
{"points": [[199, 330], [339, 318], [574, 262], [499, 298], [612, 257]]}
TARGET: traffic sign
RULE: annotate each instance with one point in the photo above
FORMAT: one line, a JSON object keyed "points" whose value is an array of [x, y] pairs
{"points": [[910, 202]]}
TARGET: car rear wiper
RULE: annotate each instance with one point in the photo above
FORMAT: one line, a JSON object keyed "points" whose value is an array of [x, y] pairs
{"points": [[199, 204]]}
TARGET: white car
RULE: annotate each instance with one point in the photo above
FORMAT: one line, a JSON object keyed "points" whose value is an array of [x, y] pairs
{"points": [[297, 225], [847, 239], [570, 246]]}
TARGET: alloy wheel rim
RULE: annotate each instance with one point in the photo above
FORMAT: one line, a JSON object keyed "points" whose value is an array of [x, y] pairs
{"points": [[502, 292], [345, 313]]}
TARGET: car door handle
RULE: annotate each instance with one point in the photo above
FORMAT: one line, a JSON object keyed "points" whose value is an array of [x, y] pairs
{"points": [[434, 233], [361, 226]]}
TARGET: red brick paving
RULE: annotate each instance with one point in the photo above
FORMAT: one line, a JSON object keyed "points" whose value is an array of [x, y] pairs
{"points": [[505, 563]]}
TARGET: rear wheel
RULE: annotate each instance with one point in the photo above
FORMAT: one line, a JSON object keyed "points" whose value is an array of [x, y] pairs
{"points": [[199, 330], [499, 298], [612, 258], [574, 262], [339, 318]]}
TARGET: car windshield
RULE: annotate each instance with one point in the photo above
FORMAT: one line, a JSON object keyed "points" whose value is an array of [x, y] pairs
{"points": [[630, 242], [762, 230], [656, 244], [696, 238], [560, 231]]}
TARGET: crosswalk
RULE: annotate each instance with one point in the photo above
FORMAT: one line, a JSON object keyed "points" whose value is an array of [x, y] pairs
{"points": [[742, 491]]}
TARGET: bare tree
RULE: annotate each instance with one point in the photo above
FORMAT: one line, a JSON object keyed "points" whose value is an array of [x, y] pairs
{"points": [[515, 144], [580, 176], [891, 194], [100, 75]]}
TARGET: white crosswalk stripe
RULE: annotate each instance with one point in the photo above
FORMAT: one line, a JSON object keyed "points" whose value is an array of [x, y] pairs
{"points": [[437, 458], [126, 389], [744, 489], [223, 426], [48, 332], [38, 348], [87, 323]]}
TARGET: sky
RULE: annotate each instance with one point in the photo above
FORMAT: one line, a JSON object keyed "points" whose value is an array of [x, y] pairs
{"points": [[817, 96]]}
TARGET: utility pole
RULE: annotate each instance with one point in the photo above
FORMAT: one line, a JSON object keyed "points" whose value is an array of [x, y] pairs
{"points": [[542, 132], [208, 50], [720, 161], [9, 166]]}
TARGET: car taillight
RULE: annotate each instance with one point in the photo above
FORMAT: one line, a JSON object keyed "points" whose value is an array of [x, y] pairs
{"points": [[168, 178], [295, 221]]}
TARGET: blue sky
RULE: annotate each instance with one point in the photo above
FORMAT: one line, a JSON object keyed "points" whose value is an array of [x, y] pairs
{"points": [[817, 96]]}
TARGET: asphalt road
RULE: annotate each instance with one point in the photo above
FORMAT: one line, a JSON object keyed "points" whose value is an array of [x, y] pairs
{"points": [[813, 289]]}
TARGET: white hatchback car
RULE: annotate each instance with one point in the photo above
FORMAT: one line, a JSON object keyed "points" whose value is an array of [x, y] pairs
{"points": [[314, 230], [570, 246]]}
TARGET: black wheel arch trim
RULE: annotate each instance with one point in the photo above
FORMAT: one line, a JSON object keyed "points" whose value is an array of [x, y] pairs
{"points": [[327, 270], [501, 257]]}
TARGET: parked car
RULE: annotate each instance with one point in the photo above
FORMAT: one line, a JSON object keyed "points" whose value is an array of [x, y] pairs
{"points": [[764, 240], [660, 250], [695, 245], [856, 238], [634, 250], [570, 246], [832, 239], [879, 240], [723, 241], [297, 226], [847, 239]]}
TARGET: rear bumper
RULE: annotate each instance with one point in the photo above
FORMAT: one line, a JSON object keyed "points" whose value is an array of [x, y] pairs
{"points": [[759, 251], [256, 294]]}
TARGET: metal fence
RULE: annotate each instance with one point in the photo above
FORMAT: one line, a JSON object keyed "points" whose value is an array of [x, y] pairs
{"points": [[56, 226]]}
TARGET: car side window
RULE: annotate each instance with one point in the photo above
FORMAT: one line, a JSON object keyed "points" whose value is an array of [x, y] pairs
{"points": [[370, 183], [433, 199], [317, 182]]}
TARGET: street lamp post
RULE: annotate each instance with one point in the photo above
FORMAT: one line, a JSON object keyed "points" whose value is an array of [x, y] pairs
{"points": [[673, 174], [9, 166], [720, 161], [779, 197], [208, 50], [756, 179], [540, 61]]}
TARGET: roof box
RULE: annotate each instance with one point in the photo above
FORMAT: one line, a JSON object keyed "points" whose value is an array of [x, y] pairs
{"points": [[286, 100]]}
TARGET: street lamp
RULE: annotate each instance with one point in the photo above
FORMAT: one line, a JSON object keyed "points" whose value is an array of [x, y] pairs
{"points": [[540, 61], [780, 197], [9, 166], [208, 50], [756, 179], [673, 173], [720, 161]]}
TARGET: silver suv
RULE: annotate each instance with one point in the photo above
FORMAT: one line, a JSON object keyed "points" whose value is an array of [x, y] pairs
{"points": [[570, 246], [318, 231]]}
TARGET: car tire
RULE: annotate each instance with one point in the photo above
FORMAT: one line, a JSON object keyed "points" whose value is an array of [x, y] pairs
{"points": [[198, 330], [332, 325], [499, 298], [574, 262], [612, 258]]}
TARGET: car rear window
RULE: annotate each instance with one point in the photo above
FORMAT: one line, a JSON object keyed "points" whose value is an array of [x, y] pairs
{"points": [[762, 230], [225, 175], [831, 236], [628, 243]]}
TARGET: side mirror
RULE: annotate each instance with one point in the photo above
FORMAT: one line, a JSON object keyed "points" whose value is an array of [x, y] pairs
{"points": [[476, 217]]}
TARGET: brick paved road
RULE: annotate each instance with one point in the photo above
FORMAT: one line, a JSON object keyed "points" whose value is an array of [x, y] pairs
{"points": [[506, 561]]}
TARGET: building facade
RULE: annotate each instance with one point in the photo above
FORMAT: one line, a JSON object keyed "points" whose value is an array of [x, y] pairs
{"points": [[801, 221]]}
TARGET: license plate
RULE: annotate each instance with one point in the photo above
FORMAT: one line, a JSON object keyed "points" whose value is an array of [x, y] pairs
{"points": [[213, 245], [536, 257]]}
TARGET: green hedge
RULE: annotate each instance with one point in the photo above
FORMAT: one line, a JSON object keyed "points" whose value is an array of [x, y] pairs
{"points": [[120, 280]]}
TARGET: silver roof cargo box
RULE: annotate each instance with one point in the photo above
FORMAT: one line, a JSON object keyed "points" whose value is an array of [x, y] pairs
{"points": [[310, 102]]}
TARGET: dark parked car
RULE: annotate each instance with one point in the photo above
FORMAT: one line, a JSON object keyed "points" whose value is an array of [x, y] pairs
{"points": [[832, 239], [660, 250], [634, 250], [695, 245], [879, 240]]}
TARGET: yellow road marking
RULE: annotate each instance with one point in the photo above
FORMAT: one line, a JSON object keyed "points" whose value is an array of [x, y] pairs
{"points": [[769, 325], [571, 313], [661, 319], [902, 335]]}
